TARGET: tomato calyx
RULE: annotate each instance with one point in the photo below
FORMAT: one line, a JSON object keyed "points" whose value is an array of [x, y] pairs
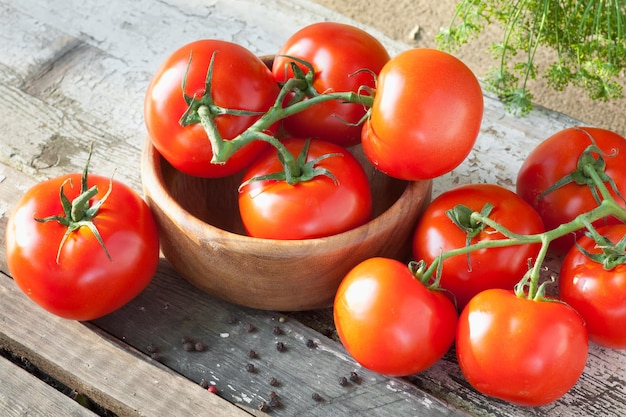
{"points": [[612, 254], [419, 270], [301, 171], [80, 212], [590, 171], [302, 88], [529, 288], [461, 215], [191, 115], [301, 82]]}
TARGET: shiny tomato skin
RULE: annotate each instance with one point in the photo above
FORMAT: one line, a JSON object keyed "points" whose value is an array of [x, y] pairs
{"points": [[556, 157], [389, 321], [84, 284], [501, 267], [317, 208], [522, 351], [426, 115], [240, 81], [599, 295], [337, 53]]}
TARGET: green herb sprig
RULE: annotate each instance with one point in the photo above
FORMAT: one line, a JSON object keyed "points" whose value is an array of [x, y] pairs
{"points": [[588, 38]]}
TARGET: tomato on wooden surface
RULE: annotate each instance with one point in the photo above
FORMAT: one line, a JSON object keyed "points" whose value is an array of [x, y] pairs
{"points": [[389, 321], [598, 294], [78, 279], [426, 115], [557, 157], [344, 58], [321, 206], [522, 351], [501, 267], [240, 81]]}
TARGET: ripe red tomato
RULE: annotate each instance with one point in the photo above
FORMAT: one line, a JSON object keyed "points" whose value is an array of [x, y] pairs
{"points": [[598, 294], [337, 53], [389, 321], [240, 81], [557, 157], [488, 268], [426, 115], [84, 284], [522, 351], [319, 207]]}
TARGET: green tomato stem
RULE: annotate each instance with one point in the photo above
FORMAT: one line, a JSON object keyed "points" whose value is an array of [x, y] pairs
{"points": [[223, 149], [607, 207]]}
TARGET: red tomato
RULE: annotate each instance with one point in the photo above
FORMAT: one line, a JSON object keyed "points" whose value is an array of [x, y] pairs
{"points": [[599, 295], [319, 207], [337, 53], [84, 284], [488, 268], [522, 351], [389, 321], [240, 81], [426, 115], [557, 157]]}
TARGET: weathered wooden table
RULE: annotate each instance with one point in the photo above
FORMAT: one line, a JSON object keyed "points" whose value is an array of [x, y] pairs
{"points": [[72, 73]]}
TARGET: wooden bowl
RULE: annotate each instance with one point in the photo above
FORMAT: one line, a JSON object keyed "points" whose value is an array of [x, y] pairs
{"points": [[202, 236]]}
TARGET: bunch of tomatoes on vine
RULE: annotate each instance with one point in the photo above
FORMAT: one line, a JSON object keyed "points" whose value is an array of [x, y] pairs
{"points": [[288, 123]]}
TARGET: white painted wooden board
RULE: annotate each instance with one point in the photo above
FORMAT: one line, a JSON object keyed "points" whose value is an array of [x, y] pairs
{"points": [[72, 73]]}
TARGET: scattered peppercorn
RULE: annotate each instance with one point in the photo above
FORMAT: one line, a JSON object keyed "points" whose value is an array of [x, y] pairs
{"points": [[274, 402], [250, 368], [199, 347], [250, 327], [262, 406], [273, 382], [185, 339], [252, 354], [232, 319], [277, 331], [343, 381], [188, 346], [354, 377], [317, 397], [204, 383], [310, 343], [280, 346]]}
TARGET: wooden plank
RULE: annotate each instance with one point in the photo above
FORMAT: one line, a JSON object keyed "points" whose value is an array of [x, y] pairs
{"points": [[113, 375], [22, 394], [170, 311]]}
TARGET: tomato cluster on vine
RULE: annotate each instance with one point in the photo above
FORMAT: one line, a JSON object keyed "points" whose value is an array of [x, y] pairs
{"points": [[480, 248], [331, 84]]}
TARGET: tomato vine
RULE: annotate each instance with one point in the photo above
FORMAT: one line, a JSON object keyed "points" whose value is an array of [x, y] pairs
{"points": [[529, 286], [204, 111]]}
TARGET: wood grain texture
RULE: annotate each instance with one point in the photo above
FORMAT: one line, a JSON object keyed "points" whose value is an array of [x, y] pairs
{"points": [[110, 373], [22, 394]]}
